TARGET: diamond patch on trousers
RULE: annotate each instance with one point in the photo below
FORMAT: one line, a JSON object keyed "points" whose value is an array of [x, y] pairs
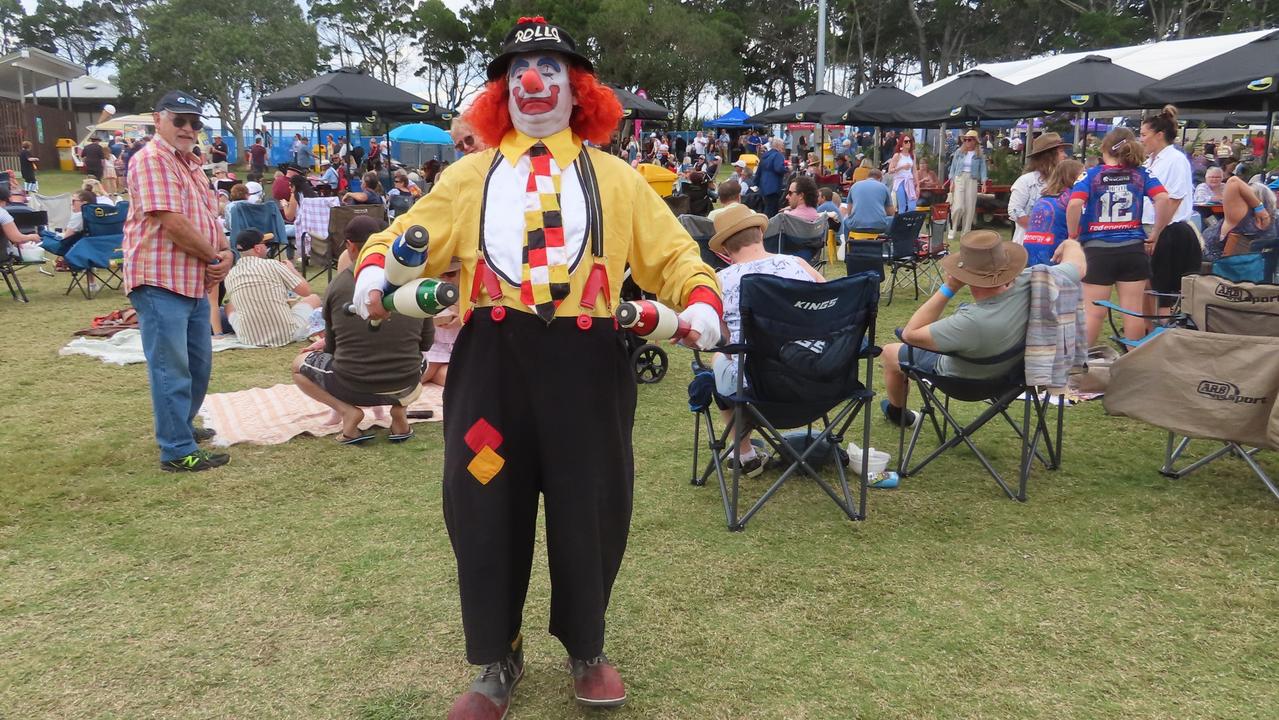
{"points": [[482, 435], [486, 465]]}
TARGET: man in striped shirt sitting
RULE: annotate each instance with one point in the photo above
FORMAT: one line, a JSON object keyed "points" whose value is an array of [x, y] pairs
{"points": [[258, 290]]}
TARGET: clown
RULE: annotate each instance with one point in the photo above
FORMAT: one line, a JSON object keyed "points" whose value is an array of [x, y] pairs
{"points": [[541, 395]]}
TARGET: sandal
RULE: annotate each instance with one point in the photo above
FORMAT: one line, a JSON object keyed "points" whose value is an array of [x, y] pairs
{"points": [[343, 439], [400, 437]]}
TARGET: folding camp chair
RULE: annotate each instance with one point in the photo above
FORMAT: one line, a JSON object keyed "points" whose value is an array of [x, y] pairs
{"points": [[789, 235], [312, 223], [28, 221], [702, 230], [325, 253], [1215, 379], [801, 360], [264, 217], [903, 248], [95, 257], [1000, 392]]}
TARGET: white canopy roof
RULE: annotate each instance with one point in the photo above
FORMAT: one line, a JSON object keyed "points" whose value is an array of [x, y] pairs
{"points": [[1155, 60]]}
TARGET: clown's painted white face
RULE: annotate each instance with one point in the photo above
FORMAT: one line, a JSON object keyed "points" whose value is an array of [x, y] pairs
{"points": [[540, 97]]}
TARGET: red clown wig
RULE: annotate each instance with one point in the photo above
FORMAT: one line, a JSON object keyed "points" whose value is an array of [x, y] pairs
{"points": [[596, 111]]}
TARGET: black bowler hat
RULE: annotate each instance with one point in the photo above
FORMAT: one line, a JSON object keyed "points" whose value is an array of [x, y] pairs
{"points": [[176, 101], [534, 34]]}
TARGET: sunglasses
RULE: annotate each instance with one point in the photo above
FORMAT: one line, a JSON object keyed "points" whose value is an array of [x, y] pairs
{"points": [[181, 122], [464, 143], [970, 139]]}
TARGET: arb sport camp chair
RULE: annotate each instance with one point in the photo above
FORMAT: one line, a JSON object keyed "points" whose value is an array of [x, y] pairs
{"points": [[27, 221], [805, 355], [325, 252], [1216, 379]]}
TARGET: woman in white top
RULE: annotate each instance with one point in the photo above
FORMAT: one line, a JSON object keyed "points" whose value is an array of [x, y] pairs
{"points": [[901, 168], [1171, 167], [967, 174], [1047, 150]]}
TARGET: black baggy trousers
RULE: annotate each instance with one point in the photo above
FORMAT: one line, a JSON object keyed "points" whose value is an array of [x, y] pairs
{"points": [[534, 408]]}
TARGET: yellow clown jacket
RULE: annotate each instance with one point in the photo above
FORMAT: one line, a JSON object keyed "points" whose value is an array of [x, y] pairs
{"points": [[634, 224]]}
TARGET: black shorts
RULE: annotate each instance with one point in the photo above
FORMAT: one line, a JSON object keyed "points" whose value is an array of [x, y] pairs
{"points": [[1110, 265], [1178, 253], [317, 367]]}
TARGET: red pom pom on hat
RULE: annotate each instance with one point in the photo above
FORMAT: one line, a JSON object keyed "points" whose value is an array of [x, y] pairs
{"points": [[534, 19]]}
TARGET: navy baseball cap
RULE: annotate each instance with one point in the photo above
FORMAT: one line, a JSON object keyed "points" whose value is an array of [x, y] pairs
{"points": [[176, 101]]}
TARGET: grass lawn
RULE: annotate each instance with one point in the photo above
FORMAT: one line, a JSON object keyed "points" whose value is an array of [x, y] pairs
{"points": [[311, 581]]}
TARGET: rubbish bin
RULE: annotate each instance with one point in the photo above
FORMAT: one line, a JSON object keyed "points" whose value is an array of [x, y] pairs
{"points": [[66, 154]]}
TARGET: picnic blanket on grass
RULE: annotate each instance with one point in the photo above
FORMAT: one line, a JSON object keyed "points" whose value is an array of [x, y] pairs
{"points": [[274, 415], [125, 347]]}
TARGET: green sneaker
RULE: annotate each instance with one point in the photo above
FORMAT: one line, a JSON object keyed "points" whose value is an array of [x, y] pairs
{"points": [[196, 462]]}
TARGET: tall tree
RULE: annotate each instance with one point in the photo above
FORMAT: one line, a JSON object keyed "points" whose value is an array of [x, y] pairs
{"points": [[82, 33], [447, 47], [188, 44], [373, 35], [11, 14]]}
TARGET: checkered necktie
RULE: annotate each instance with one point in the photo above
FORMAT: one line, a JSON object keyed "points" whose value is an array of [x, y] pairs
{"points": [[544, 279]]}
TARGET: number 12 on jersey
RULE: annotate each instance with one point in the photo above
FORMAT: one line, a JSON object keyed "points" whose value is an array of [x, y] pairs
{"points": [[1115, 205]]}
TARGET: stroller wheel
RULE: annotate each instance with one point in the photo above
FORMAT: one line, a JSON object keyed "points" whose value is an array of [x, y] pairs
{"points": [[650, 363]]}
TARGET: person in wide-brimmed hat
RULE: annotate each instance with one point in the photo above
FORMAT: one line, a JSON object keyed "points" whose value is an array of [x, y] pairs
{"points": [[739, 237], [995, 271], [1047, 150]]}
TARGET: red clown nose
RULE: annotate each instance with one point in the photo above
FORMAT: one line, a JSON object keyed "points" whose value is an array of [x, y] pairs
{"points": [[531, 81]]}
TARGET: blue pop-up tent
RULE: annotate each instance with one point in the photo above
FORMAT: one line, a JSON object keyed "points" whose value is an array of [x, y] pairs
{"points": [[414, 143], [735, 118]]}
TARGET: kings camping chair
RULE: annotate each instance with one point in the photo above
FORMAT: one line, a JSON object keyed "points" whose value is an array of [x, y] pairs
{"points": [[325, 253], [901, 243], [264, 217], [789, 235], [94, 258], [28, 222], [805, 356], [1215, 379], [702, 230]]}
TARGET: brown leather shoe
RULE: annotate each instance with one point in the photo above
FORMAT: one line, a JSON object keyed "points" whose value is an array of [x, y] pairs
{"points": [[490, 695], [596, 683]]}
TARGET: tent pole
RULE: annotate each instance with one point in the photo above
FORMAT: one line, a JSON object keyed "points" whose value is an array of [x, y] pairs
{"points": [[877, 130], [1270, 124]]}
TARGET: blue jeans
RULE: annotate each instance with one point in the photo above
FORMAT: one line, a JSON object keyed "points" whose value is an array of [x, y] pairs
{"points": [[904, 203], [177, 341]]}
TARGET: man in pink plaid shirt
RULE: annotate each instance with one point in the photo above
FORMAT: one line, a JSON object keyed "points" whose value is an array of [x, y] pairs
{"points": [[174, 252]]}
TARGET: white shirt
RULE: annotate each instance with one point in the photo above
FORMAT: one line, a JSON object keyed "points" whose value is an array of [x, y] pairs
{"points": [[1172, 168], [1025, 192], [967, 165], [504, 208]]}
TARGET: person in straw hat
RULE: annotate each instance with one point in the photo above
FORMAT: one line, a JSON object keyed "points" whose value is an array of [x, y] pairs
{"points": [[1047, 150], [967, 174], [995, 271], [739, 237]]}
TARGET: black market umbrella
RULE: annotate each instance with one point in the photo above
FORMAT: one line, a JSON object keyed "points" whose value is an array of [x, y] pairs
{"points": [[809, 108], [873, 107], [349, 94], [1090, 83], [961, 100], [635, 107], [1246, 78]]}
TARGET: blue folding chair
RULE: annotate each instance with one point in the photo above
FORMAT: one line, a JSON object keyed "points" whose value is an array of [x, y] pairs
{"points": [[806, 360], [94, 257]]}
